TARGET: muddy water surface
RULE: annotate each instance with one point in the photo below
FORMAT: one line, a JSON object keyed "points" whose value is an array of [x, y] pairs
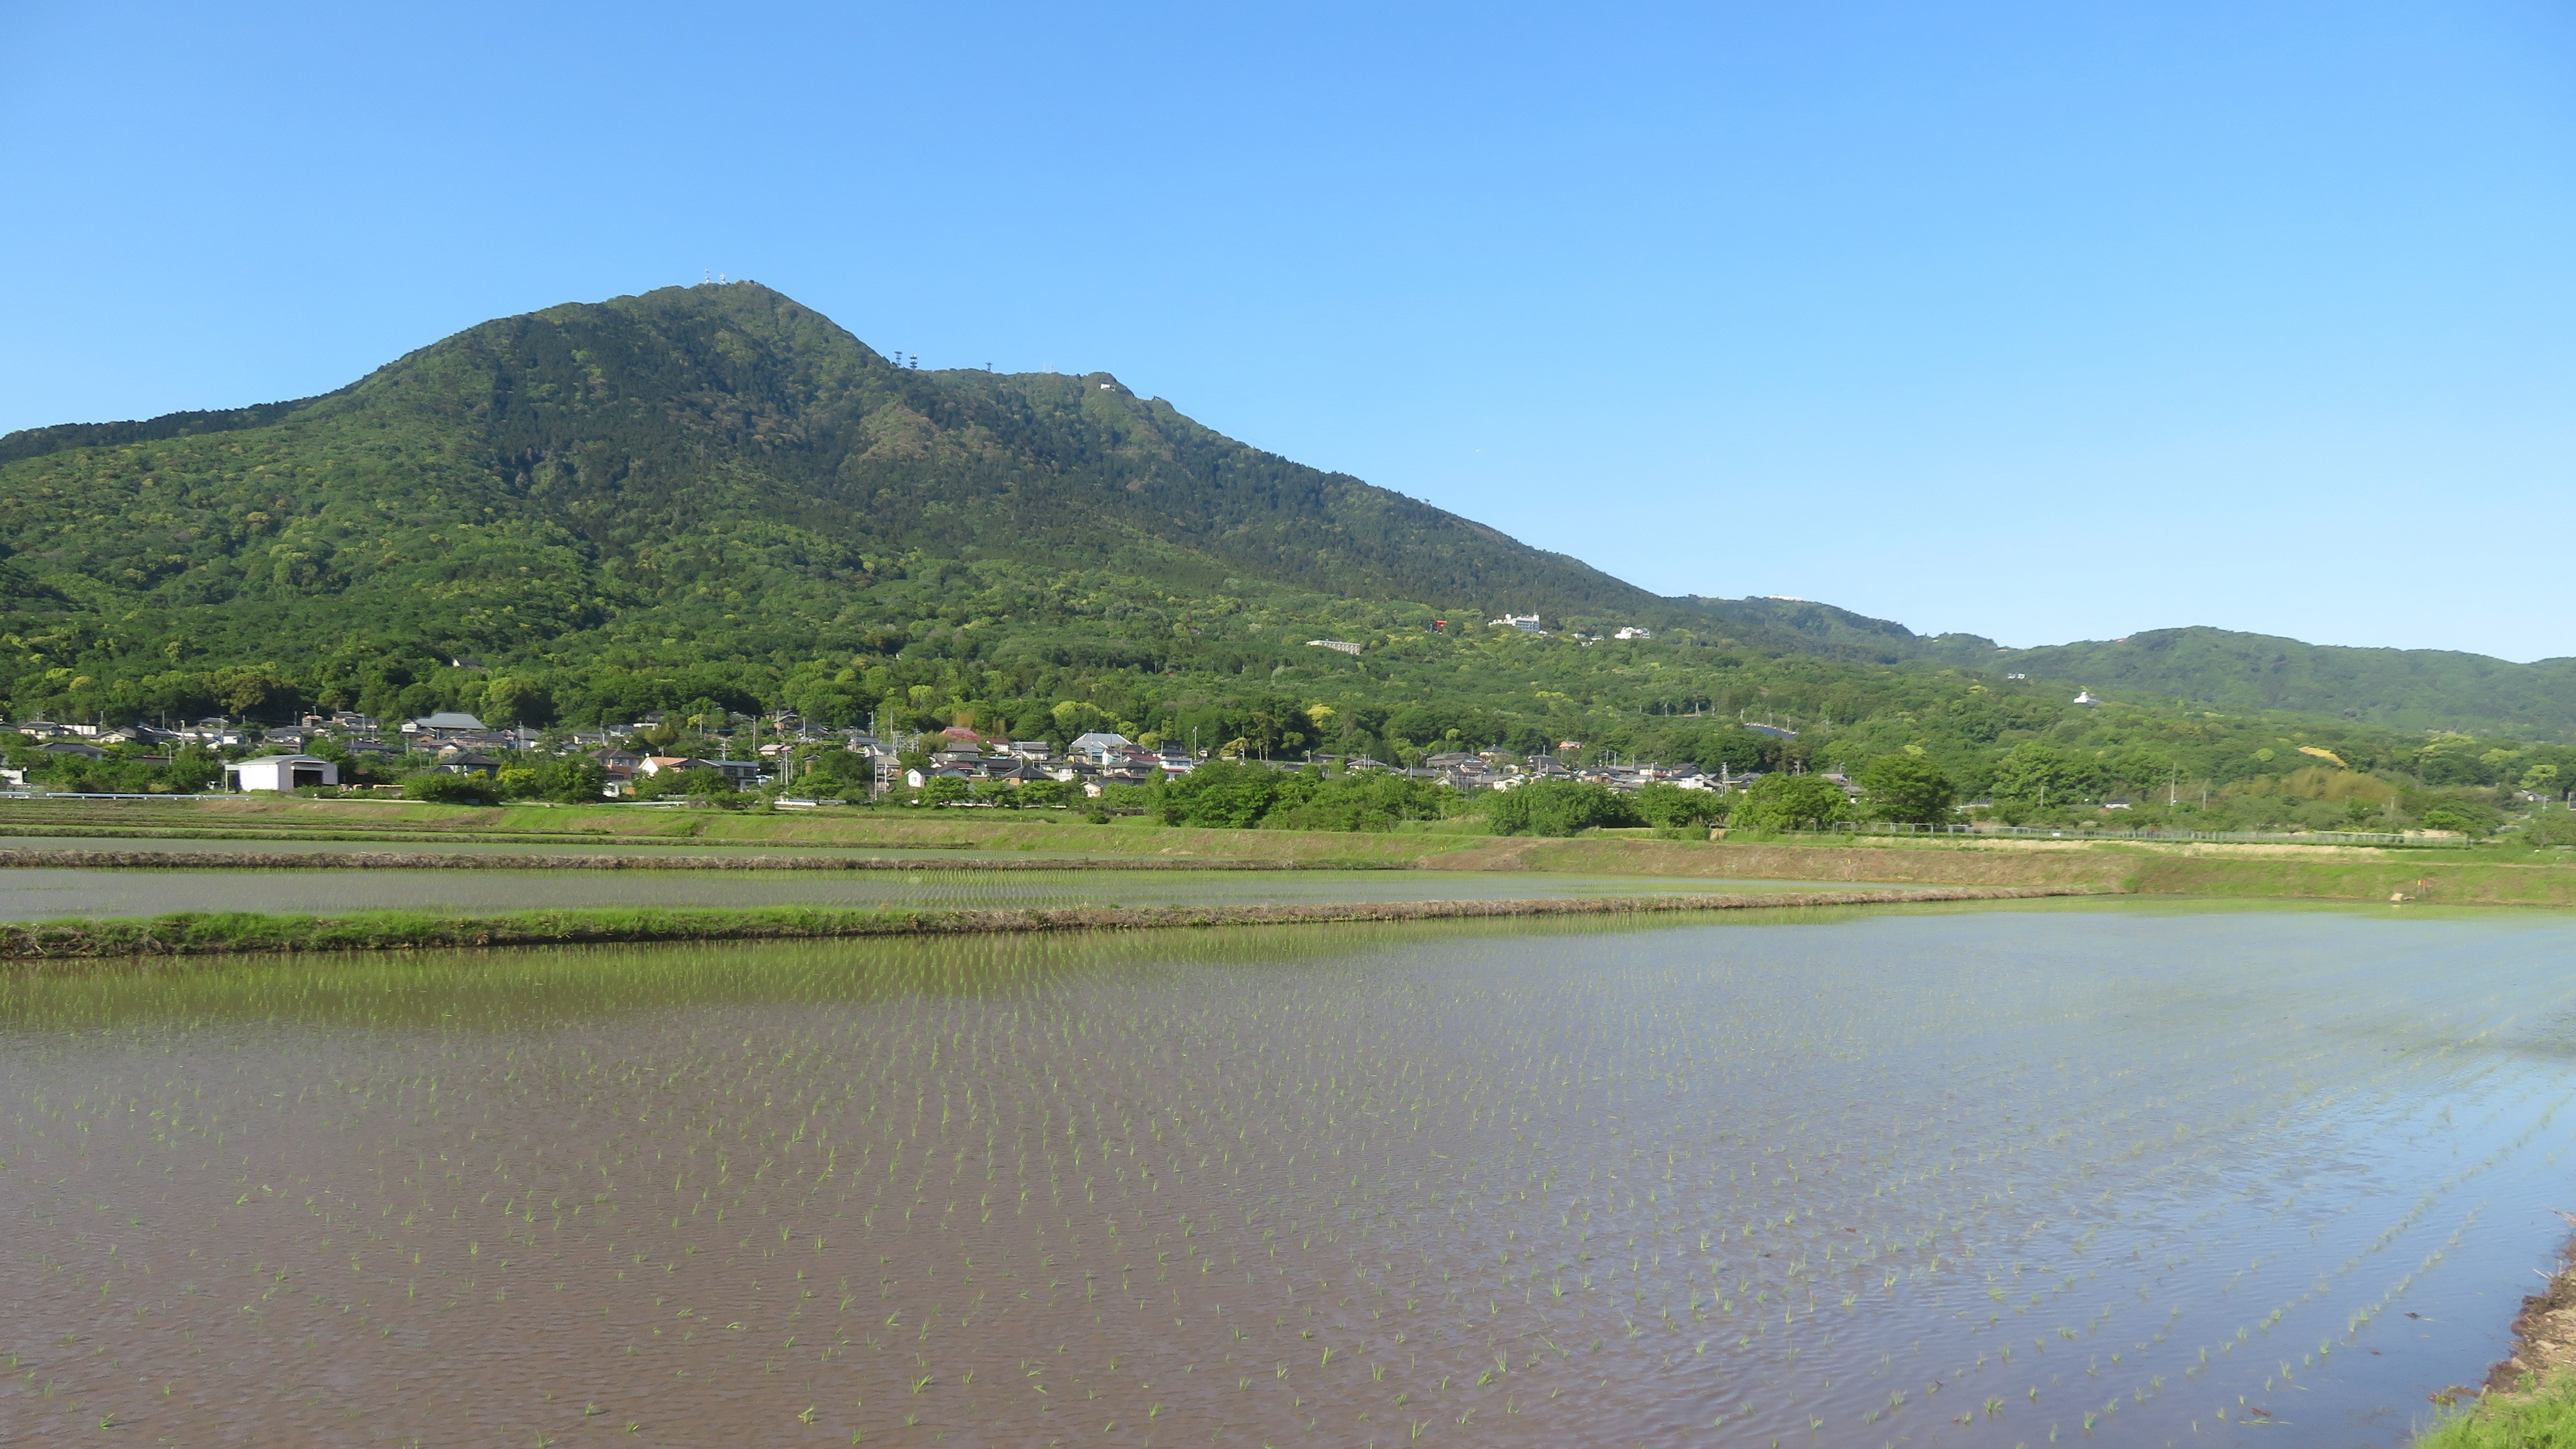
{"points": [[1972, 1176]]}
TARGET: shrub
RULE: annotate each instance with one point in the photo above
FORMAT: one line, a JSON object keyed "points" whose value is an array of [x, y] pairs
{"points": [[2450, 819], [1792, 802], [1672, 807], [837, 772], [1223, 794], [1559, 807], [191, 771], [699, 783], [1370, 800], [2553, 826], [572, 780], [453, 789]]}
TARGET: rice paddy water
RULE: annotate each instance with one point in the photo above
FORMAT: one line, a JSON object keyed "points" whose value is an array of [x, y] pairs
{"points": [[2058, 1173]]}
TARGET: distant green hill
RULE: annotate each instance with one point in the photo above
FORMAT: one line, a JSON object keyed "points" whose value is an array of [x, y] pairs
{"points": [[2402, 689], [2409, 689]]}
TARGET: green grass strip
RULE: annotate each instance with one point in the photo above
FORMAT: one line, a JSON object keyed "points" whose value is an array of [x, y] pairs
{"points": [[392, 930]]}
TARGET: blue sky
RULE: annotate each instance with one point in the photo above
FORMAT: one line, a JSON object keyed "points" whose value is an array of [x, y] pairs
{"points": [[2043, 321]]}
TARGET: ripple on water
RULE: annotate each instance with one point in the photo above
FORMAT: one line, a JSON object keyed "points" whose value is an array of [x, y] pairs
{"points": [[1851, 1180]]}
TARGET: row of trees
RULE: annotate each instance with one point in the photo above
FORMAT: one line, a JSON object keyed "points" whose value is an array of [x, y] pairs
{"points": [[1224, 794]]}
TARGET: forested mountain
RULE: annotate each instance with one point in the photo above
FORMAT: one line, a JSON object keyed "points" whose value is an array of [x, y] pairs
{"points": [[538, 475], [712, 495], [699, 476], [2411, 689]]}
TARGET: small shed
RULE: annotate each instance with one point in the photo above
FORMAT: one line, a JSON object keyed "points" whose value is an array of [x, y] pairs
{"points": [[283, 772]]}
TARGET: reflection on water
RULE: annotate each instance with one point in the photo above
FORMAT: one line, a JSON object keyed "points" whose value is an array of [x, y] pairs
{"points": [[38, 895], [1979, 1176]]}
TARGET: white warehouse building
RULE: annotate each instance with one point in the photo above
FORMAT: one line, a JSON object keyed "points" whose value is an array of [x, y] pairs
{"points": [[282, 772]]}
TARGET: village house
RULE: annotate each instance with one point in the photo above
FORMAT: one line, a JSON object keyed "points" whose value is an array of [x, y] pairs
{"points": [[1020, 772], [1097, 745], [445, 724], [740, 774]]}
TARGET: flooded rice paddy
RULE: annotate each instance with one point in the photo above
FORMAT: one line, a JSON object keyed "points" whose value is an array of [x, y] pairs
{"points": [[2052, 1174], [43, 894]]}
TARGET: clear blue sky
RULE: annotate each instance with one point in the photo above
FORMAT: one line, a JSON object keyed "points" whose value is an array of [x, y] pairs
{"points": [[2040, 321]]}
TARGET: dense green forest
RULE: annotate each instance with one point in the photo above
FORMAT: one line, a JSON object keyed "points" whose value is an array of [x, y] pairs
{"points": [[712, 498]]}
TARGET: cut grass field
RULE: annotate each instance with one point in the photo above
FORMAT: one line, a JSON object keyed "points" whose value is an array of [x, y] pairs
{"points": [[61, 942]]}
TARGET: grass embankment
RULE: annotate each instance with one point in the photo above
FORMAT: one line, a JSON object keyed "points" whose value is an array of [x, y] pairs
{"points": [[411, 822], [2289, 873], [2441, 879], [2542, 1416], [1613, 855], [231, 932]]}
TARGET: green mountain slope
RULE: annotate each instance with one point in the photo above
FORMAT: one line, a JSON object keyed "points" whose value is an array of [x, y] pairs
{"points": [[709, 474], [537, 474]]}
